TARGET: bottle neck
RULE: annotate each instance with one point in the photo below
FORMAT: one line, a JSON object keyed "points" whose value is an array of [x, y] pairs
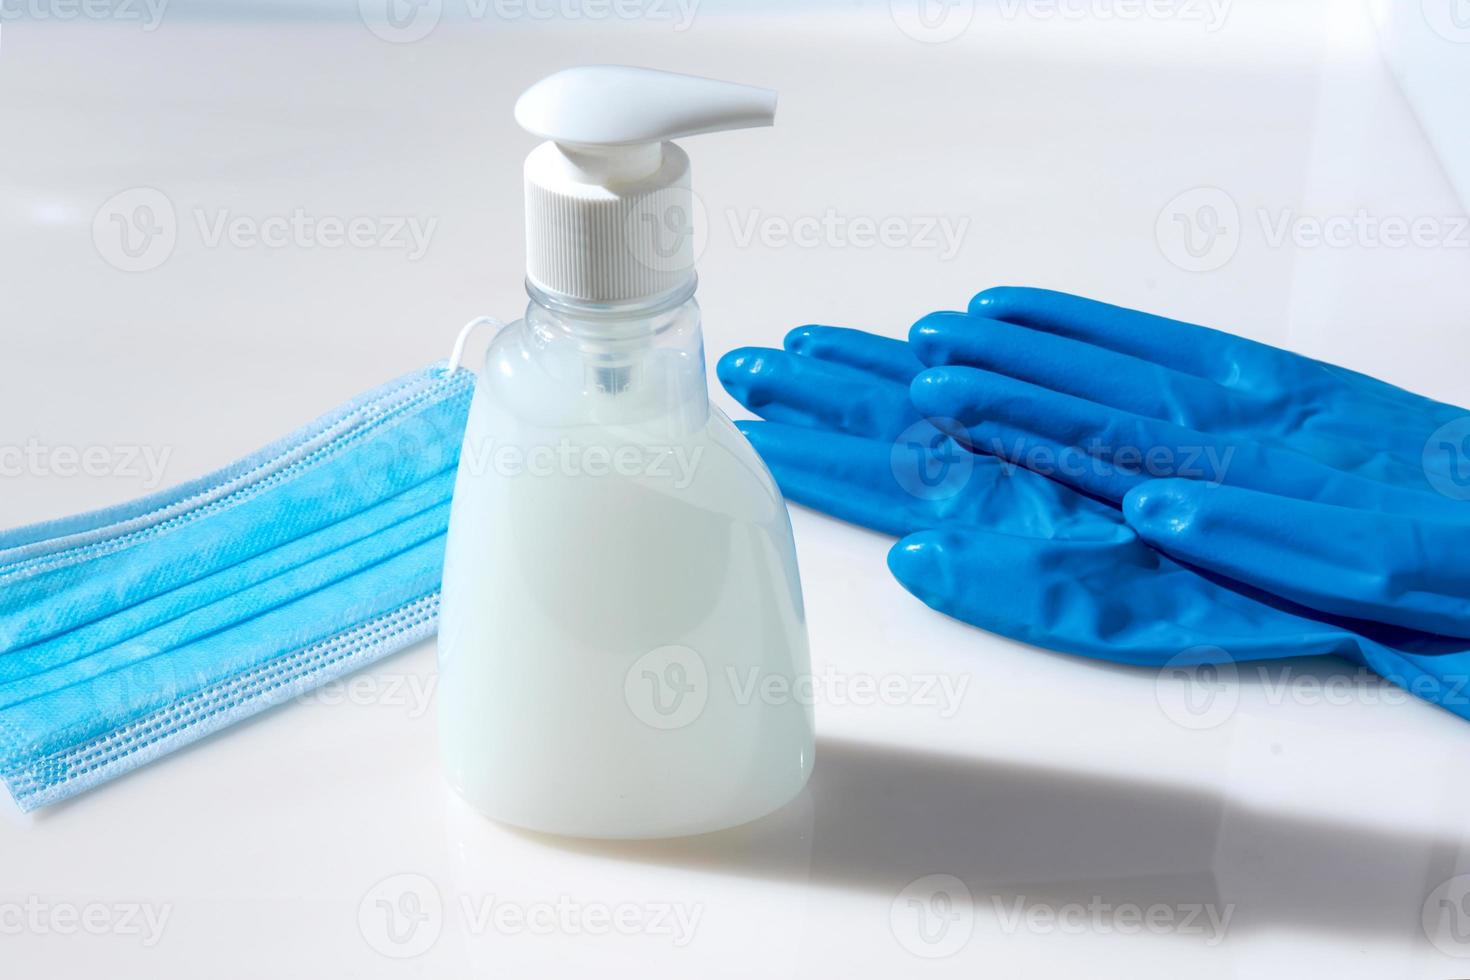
{"points": [[598, 315], [646, 357]]}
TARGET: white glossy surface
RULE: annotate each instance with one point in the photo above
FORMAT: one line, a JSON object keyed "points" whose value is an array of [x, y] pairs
{"points": [[1325, 821]]}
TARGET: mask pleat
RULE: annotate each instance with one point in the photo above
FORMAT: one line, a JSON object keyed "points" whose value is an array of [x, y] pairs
{"points": [[26, 545], [152, 612], [71, 714], [412, 450], [199, 607], [40, 779], [130, 631]]}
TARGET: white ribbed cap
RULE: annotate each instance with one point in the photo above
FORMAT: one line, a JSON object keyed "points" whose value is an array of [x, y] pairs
{"points": [[593, 240], [609, 210]]}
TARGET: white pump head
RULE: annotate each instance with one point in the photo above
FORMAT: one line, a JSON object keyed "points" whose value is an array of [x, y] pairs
{"points": [[609, 213]]}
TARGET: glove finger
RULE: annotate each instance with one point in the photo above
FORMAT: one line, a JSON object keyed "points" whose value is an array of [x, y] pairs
{"points": [[924, 480], [1111, 600], [1106, 451], [1186, 347], [846, 476], [1388, 568], [1076, 368], [1234, 362], [1096, 449], [1440, 678], [882, 357], [784, 387]]}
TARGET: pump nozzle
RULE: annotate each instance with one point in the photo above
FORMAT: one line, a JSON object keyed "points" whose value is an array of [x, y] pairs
{"points": [[609, 213], [613, 105]]}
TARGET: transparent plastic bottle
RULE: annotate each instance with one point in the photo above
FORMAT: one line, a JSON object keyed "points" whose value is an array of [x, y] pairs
{"points": [[622, 646], [622, 636]]}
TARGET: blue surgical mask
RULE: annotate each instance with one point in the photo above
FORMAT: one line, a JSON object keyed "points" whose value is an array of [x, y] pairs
{"points": [[132, 631]]}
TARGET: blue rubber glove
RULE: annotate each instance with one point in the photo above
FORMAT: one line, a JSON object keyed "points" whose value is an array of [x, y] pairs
{"points": [[1008, 550], [1316, 483]]}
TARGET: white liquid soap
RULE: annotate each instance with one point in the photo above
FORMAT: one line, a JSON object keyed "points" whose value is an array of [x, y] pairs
{"points": [[622, 646]]}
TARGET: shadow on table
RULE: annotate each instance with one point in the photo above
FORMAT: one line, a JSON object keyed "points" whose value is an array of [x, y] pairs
{"points": [[1024, 837]]}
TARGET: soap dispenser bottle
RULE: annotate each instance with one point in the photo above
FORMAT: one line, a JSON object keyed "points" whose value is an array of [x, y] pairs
{"points": [[622, 650]]}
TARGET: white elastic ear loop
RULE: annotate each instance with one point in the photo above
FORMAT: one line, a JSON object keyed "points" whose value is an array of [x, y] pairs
{"points": [[464, 335]]}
